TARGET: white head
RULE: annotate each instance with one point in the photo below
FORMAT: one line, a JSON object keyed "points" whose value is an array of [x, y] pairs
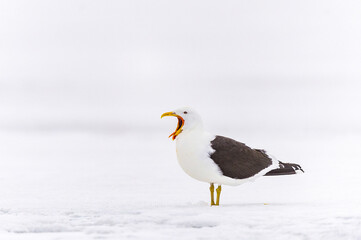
{"points": [[188, 119]]}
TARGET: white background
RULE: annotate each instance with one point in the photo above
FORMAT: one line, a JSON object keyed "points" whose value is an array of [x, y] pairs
{"points": [[84, 155]]}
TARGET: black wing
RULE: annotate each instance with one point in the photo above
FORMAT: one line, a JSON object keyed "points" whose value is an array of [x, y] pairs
{"points": [[236, 160]]}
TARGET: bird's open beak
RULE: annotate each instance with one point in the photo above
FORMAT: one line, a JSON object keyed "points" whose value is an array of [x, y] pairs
{"points": [[179, 126]]}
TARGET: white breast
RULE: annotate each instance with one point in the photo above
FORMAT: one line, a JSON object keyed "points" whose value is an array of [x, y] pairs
{"points": [[193, 156]]}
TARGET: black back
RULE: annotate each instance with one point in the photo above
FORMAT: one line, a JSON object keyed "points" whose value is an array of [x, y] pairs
{"points": [[236, 160]]}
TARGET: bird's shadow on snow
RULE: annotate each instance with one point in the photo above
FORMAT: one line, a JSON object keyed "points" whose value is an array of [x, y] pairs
{"points": [[260, 204], [203, 204]]}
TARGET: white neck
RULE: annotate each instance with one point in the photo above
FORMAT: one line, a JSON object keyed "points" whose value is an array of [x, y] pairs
{"points": [[195, 127], [194, 139]]}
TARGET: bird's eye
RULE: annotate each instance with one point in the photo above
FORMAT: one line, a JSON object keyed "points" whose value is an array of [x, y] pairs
{"points": [[185, 112]]}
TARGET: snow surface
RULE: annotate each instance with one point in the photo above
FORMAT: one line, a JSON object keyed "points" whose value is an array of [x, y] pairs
{"points": [[84, 155], [91, 185]]}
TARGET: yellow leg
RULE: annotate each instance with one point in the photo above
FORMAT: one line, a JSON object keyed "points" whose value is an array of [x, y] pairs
{"points": [[219, 189], [211, 188]]}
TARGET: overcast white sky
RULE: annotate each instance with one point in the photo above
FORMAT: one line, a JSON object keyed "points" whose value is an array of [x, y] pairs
{"points": [[120, 62]]}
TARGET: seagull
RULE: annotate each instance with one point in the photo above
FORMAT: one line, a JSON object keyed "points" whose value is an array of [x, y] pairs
{"points": [[220, 160]]}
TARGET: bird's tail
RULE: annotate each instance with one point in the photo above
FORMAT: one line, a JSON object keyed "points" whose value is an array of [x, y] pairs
{"points": [[285, 169]]}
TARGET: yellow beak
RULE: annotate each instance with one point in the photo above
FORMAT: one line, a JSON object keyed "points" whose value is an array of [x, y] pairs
{"points": [[179, 126]]}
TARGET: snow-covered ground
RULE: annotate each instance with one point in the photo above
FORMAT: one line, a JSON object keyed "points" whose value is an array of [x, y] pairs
{"points": [[128, 185], [84, 154]]}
